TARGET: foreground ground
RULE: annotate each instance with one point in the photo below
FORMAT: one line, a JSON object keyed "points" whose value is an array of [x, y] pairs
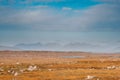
{"points": [[34, 65]]}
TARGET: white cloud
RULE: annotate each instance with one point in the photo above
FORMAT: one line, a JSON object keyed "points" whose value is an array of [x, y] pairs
{"points": [[66, 8], [109, 1], [98, 17], [11, 2], [47, 0], [30, 1]]}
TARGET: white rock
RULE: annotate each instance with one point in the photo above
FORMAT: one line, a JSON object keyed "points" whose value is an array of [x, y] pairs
{"points": [[17, 63], [16, 74], [49, 69], [90, 77], [111, 67], [32, 68], [12, 72], [2, 63], [1, 70], [98, 79], [22, 70], [9, 71]]}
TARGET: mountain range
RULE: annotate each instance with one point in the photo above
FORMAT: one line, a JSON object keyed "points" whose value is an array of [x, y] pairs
{"points": [[53, 46]]}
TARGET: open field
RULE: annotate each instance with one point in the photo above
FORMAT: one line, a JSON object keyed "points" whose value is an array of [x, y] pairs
{"points": [[45, 65]]}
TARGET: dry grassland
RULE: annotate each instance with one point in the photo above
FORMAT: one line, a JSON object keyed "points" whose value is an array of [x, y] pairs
{"points": [[45, 65]]}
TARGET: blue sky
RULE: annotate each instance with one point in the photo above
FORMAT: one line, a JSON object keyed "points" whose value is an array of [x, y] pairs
{"points": [[52, 3], [32, 21], [60, 15]]}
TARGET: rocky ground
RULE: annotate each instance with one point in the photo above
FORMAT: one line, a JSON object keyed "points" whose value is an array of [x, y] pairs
{"points": [[45, 65]]}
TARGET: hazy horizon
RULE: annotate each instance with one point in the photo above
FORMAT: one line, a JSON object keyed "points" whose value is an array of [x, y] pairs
{"points": [[87, 25]]}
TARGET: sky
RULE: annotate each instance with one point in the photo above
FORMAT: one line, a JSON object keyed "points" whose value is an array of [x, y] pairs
{"points": [[61, 21]]}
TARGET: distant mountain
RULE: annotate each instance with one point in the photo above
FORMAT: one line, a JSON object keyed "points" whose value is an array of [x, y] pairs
{"points": [[80, 45], [8, 48], [38, 46], [53, 46], [33, 46]]}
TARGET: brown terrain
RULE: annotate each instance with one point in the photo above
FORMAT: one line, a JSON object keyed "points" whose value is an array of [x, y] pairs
{"points": [[46, 65]]}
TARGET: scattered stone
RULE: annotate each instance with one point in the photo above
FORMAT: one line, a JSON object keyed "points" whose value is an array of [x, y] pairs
{"points": [[90, 77]]}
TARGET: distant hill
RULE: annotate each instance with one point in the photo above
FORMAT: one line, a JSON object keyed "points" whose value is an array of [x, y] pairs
{"points": [[71, 46], [56, 46], [38, 46], [28, 46], [8, 48]]}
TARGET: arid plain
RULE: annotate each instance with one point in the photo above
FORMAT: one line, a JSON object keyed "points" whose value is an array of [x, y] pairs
{"points": [[48, 65]]}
